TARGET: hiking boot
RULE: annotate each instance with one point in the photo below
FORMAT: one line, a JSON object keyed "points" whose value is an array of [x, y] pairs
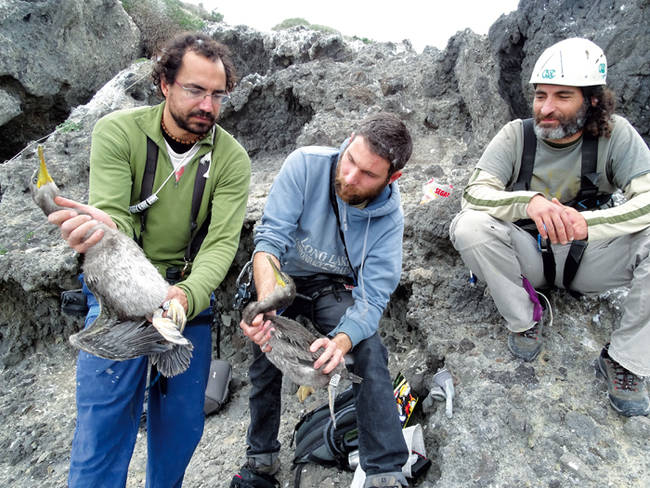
{"points": [[386, 480], [526, 345], [256, 475], [626, 391]]}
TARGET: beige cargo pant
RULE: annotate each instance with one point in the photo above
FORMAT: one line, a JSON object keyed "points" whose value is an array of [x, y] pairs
{"points": [[499, 253]]}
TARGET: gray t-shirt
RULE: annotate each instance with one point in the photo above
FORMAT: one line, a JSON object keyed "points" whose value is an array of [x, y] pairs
{"points": [[556, 173]]}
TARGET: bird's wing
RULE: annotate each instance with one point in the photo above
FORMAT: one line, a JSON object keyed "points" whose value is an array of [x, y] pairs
{"points": [[111, 338], [174, 361], [294, 334], [290, 352]]}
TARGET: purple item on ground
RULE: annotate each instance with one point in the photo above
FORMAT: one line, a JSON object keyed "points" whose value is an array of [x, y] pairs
{"points": [[538, 311]]}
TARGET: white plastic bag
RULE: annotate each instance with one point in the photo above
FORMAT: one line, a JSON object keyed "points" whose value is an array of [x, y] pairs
{"points": [[415, 443]]}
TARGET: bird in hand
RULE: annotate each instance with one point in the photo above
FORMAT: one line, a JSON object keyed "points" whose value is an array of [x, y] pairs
{"points": [[290, 341], [130, 292]]}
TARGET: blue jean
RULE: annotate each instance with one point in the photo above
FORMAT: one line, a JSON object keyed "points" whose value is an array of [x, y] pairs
{"points": [[110, 397], [382, 448]]}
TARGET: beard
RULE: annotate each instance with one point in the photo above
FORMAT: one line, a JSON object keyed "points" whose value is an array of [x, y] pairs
{"points": [[568, 125], [194, 127], [353, 196]]}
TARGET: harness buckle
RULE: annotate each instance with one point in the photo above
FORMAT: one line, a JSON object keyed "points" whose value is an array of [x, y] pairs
{"points": [[243, 284], [186, 266], [543, 245]]}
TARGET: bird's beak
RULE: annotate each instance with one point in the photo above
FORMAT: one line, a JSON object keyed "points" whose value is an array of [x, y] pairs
{"points": [[278, 275], [43, 176]]}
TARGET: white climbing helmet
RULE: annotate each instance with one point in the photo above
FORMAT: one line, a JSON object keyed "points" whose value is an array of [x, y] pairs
{"points": [[572, 62]]}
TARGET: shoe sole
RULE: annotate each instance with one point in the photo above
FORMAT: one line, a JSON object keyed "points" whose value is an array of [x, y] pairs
{"points": [[528, 360]]}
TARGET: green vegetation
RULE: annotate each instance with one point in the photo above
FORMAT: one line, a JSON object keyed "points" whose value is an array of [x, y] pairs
{"points": [[295, 21], [68, 126], [365, 40], [21, 241], [181, 16], [215, 16], [160, 20]]}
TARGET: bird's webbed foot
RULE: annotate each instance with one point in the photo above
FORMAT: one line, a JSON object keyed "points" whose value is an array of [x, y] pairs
{"points": [[171, 327], [303, 392]]}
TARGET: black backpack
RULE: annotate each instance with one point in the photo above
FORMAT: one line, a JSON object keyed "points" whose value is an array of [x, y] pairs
{"points": [[317, 441]]}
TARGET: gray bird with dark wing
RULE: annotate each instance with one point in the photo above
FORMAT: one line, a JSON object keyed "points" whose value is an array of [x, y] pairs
{"points": [[129, 290], [290, 341]]}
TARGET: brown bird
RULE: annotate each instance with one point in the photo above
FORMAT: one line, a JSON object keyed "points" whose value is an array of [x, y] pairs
{"points": [[129, 289], [290, 341]]}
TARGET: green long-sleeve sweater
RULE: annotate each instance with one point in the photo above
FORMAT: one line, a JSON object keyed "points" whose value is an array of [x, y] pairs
{"points": [[117, 163]]}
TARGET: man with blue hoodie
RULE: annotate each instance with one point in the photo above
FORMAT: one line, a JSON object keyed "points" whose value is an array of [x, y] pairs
{"points": [[333, 222]]}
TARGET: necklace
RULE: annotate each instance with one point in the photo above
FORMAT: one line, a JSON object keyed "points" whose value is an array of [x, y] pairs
{"points": [[188, 141]]}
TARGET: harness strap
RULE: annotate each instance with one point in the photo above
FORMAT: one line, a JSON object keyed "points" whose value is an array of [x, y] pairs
{"points": [[548, 259], [527, 157], [217, 322], [195, 239], [298, 476], [147, 181], [572, 263], [587, 198], [335, 207], [197, 195], [588, 174]]}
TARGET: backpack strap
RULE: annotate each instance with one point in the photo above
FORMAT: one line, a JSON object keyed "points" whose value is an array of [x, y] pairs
{"points": [[588, 196]]}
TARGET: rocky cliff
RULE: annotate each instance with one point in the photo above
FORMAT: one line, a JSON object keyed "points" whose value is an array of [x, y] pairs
{"points": [[515, 424], [55, 56]]}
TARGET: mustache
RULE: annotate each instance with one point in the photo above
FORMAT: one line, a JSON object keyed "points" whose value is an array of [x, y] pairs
{"points": [[201, 113], [540, 118]]}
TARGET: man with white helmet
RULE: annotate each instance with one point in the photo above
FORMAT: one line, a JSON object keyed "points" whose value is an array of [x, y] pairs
{"points": [[537, 213]]}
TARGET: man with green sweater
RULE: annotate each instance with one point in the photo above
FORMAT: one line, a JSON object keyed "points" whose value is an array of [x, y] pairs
{"points": [[195, 75]]}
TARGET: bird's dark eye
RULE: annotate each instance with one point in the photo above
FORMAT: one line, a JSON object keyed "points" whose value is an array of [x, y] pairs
{"points": [[35, 179]]}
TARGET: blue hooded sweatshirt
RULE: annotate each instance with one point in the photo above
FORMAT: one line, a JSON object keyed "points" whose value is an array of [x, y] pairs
{"points": [[299, 228]]}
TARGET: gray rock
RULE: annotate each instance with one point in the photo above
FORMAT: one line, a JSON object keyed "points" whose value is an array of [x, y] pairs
{"points": [[55, 56], [9, 106]]}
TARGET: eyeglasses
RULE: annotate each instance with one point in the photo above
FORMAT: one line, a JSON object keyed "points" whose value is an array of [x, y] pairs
{"points": [[194, 93]]}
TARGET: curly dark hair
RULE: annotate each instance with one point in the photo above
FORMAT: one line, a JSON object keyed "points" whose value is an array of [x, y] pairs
{"points": [[599, 117], [388, 138], [171, 57]]}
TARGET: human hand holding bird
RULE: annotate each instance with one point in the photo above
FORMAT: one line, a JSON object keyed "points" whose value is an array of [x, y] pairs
{"points": [[79, 223], [291, 347], [129, 289]]}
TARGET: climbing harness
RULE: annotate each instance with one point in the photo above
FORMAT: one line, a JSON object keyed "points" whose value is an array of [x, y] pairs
{"points": [[147, 199], [588, 198]]}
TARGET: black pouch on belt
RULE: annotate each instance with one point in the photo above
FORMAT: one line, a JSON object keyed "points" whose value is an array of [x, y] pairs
{"points": [[73, 302], [218, 389]]}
